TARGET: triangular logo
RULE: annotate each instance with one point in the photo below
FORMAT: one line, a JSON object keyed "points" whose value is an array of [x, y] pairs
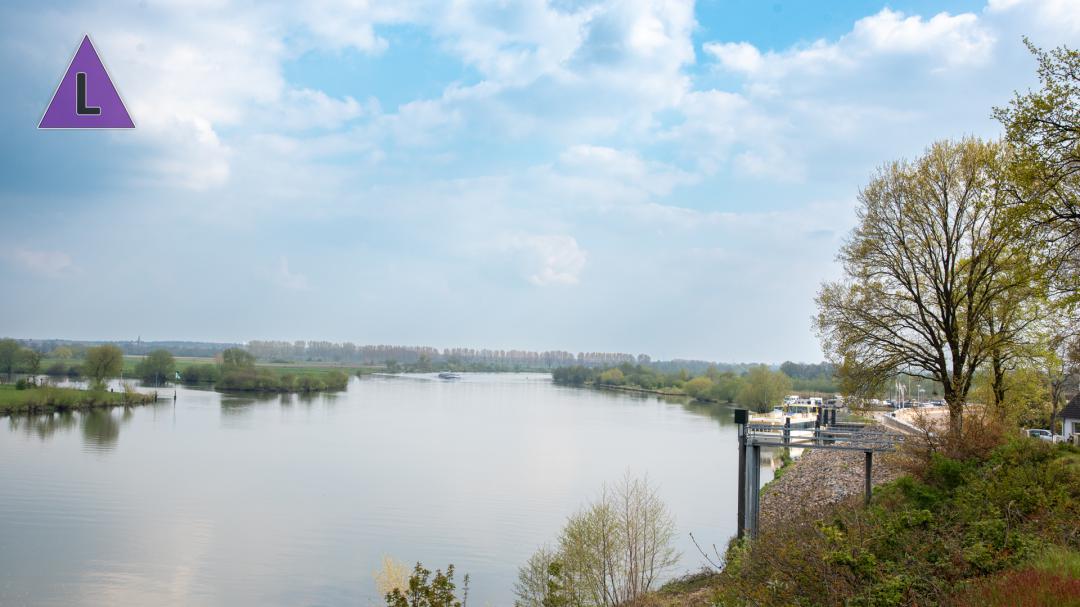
{"points": [[86, 97]]}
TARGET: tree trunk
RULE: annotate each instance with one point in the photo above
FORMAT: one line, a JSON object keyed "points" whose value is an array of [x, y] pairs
{"points": [[956, 419], [955, 402], [997, 384]]}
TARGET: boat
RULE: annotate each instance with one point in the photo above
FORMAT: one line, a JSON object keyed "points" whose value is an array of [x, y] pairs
{"points": [[449, 375]]}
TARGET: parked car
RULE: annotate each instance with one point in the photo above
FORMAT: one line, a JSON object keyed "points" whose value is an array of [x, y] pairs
{"points": [[1045, 435]]}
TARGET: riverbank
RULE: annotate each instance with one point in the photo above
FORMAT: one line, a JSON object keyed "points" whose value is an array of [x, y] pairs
{"points": [[994, 527], [636, 390], [811, 485], [49, 399]]}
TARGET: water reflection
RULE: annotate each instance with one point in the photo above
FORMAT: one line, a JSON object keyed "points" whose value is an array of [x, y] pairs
{"points": [[101, 429], [204, 504], [43, 426]]}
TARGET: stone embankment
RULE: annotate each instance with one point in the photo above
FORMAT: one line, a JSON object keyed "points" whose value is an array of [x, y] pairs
{"points": [[821, 478]]}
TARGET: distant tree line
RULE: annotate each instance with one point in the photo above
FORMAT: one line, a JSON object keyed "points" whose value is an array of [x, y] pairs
{"points": [[758, 387], [77, 348], [325, 351]]}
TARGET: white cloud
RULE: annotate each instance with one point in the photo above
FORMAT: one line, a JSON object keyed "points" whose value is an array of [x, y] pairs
{"points": [[956, 39], [1055, 15], [622, 167], [288, 279], [736, 56], [550, 259], [943, 40], [45, 263]]}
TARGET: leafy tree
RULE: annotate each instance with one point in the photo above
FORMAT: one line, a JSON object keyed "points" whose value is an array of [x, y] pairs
{"points": [[558, 593], [9, 356], [609, 554], [62, 352], [928, 260], [612, 377], [726, 387], [30, 360], [425, 591], [1060, 360], [157, 367], [1042, 129], [423, 363], [534, 584], [699, 387], [201, 374], [102, 362], [763, 388], [237, 358]]}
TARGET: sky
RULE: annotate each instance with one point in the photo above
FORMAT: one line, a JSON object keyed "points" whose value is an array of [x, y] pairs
{"points": [[661, 177]]}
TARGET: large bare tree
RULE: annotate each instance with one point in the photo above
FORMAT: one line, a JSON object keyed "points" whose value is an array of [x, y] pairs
{"points": [[925, 270]]}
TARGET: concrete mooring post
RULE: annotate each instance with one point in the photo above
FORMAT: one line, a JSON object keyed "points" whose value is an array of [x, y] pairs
{"points": [[741, 418], [749, 477], [753, 488]]}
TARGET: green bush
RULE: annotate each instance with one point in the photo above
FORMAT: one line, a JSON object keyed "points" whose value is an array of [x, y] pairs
{"points": [[425, 591], [201, 374], [923, 537]]}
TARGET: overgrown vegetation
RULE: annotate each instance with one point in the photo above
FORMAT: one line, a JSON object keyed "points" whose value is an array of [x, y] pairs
{"points": [[46, 399], [423, 590], [239, 373], [156, 368], [994, 527], [611, 553]]}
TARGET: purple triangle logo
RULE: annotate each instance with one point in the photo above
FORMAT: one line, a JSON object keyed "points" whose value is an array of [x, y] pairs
{"points": [[86, 97]]}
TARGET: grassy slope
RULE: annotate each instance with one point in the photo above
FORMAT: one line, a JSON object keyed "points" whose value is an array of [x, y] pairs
{"points": [[998, 531]]}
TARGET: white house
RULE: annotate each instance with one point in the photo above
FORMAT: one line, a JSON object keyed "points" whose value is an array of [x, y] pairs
{"points": [[1070, 418]]}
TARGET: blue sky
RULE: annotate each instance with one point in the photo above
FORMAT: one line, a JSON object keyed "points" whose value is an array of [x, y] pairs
{"points": [[661, 177]]}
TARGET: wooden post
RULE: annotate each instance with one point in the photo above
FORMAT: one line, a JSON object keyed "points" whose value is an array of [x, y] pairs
{"points": [[787, 429], [869, 468]]}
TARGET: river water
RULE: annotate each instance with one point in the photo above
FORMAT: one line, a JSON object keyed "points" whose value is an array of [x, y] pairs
{"points": [[291, 500]]}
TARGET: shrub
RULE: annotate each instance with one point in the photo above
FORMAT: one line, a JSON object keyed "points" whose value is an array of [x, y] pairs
{"points": [[699, 387], [610, 553], [922, 537], [425, 591], [157, 367], [611, 377], [201, 374], [393, 575], [1024, 588]]}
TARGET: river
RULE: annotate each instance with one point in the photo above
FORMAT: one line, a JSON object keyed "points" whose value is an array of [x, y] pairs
{"points": [[294, 500]]}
